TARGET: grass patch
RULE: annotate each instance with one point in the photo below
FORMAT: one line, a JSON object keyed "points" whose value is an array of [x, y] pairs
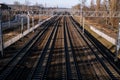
{"points": [[102, 40], [106, 43]]}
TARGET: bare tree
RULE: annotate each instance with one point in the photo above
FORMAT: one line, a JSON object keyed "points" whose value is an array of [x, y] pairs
{"points": [[98, 5], [77, 7], [83, 3], [27, 3], [92, 5], [16, 3], [112, 8]]}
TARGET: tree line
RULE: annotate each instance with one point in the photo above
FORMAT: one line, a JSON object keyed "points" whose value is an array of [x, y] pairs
{"points": [[101, 5]]}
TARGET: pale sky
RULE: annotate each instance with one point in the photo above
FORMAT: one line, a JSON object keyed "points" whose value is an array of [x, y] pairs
{"points": [[52, 3]]}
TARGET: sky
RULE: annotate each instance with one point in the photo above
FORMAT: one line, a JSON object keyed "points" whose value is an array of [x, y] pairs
{"points": [[48, 3]]}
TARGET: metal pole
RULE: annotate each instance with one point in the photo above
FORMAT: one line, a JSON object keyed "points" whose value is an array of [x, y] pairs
{"points": [[83, 24], [33, 22], [39, 15], [1, 35], [28, 21], [22, 25], [117, 45], [9, 18], [82, 15], [81, 12]]}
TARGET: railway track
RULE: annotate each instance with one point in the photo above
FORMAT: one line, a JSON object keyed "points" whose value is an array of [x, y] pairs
{"points": [[101, 65], [74, 74], [22, 54], [12, 50], [62, 52], [45, 57], [57, 62]]}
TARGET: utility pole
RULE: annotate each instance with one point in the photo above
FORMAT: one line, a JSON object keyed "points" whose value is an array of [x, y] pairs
{"points": [[117, 44], [39, 15], [81, 9], [33, 20], [9, 18], [1, 35], [22, 25], [2, 7], [28, 20]]}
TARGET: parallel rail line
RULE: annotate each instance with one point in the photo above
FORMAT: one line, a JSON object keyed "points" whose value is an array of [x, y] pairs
{"points": [[62, 51]]}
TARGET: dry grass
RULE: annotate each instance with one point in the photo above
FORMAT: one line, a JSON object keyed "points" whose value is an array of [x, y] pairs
{"points": [[107, 44], [7, 35], [36, 17]]}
